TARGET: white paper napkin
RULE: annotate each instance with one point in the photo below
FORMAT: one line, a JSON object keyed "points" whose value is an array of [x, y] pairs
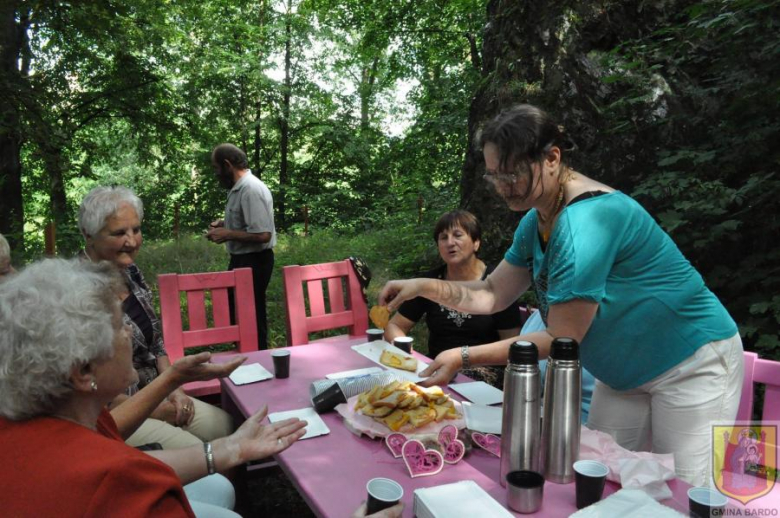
{"points": [[648, 475], [458, 500], [481, 418], [315, 427], [627, 502], [479, 392], [354, 373], [373, 351], [632, 469], [250, 374]]}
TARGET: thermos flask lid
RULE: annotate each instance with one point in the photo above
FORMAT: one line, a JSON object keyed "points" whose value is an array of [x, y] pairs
{"points": [[564, 349], [523, 353]]}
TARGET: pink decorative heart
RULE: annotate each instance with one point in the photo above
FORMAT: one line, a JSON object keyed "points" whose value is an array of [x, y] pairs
{"points": [[454, 449], [488, 442], [395, 441], [419, 461]]}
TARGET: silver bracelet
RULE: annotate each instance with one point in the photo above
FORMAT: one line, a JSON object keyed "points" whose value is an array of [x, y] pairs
{"points": [[464, 356], [209, 458]]}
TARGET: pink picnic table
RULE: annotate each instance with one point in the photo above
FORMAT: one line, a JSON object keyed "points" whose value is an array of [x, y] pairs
{"points": [[330, 472]]}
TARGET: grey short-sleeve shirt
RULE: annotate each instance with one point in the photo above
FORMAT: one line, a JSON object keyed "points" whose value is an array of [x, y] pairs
{"points": [[250, 207]]}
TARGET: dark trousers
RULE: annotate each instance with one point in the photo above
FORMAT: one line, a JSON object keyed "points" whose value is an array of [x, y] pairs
{"points": [[262, 265]]}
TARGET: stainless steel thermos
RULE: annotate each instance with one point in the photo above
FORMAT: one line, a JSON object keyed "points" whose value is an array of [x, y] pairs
{"points": [[521, 411], [562, 406]]}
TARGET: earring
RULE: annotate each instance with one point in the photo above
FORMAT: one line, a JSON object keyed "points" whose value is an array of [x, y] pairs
{"points": [[93, 385]]}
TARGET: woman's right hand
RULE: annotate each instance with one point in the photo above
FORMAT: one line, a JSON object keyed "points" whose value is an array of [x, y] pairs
{"points": [[395, 293], [254, 441], [442, 369], [395, 511]]}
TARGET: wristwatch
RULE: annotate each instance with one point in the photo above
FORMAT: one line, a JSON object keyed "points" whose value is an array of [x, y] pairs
{"points": [[464, 356]]}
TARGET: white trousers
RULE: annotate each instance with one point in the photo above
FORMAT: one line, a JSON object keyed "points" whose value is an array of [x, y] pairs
{"points": [[212, 496], [674, 412]]}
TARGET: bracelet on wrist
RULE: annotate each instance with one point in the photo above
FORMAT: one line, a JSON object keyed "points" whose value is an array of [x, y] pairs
{"points": [[209, 458], [464, 357]]}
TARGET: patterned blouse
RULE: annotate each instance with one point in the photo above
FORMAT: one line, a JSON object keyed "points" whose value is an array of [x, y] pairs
{"points": [[146, 349]]}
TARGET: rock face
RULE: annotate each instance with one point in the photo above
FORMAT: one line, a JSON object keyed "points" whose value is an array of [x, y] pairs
{"points": [[675, 102], [549, 53]]}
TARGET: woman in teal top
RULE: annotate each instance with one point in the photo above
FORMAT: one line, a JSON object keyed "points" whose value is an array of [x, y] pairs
{"points": [[665, 352]]}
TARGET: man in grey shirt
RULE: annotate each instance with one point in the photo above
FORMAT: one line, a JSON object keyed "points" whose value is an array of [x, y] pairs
{"points": [[248, 228]]}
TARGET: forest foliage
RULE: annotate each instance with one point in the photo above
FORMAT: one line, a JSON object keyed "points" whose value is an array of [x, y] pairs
{"points": [[362, 112]]}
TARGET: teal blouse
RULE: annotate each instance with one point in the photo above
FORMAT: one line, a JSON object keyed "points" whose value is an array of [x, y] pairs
{"points": [[654, 309]]}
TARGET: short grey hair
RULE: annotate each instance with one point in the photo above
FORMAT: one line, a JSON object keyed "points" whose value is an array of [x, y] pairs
{"points": [[54, 315], [103, 202], [5, 248]]}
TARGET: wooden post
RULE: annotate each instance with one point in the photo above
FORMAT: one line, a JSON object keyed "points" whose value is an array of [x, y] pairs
{"points": [[419, 209], [305, 221], [50, 239]]}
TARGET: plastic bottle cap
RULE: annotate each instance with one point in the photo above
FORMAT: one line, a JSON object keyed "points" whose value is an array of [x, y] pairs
{"points": [[565, 349], [523, 353]]}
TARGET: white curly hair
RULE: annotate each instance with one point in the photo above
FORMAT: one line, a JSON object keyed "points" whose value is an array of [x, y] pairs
{"points": [[5, 249], [54, 315], [103, 202]]}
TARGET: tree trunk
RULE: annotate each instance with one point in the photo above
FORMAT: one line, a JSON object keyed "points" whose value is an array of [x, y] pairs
{"points": [[56, 167], [366, 92], [257, 143], [284, 124], [11, 201], [542, 53]]}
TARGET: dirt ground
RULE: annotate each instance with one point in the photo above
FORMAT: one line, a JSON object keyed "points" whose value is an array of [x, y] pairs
{"points": [[268, 493]]}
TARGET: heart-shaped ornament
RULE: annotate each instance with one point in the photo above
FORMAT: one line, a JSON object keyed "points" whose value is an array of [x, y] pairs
{"points": [[395, 441], [419, 461], [488, 442], [453, 448]]}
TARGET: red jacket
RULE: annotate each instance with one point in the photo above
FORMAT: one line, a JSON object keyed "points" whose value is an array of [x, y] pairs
{"points": [[53, 467]]}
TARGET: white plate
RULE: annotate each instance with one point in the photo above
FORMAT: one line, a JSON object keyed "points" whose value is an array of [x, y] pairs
{"points": [[479, 392], [359, 424], [481, 418], [373, 351]]}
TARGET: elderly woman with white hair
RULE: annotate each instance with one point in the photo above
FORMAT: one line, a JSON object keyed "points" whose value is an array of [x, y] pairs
{"points": [[110, 221], [64, 355], [6, 268]]}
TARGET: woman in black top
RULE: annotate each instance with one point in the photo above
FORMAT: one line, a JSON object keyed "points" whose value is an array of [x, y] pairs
{"points": [[457, 235]]}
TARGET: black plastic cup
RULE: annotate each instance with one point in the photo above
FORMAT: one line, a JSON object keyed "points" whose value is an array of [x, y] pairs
{"points": [[704, 502], [328, 399], [382, 493], [375, 334], [281, 363], [589, 479], [404, 343]]}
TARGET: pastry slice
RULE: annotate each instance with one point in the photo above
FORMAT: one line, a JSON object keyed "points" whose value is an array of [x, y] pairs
{"points": [[421, 416], [398, 361], [391, 401], [395, 420], [378, 411]]}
